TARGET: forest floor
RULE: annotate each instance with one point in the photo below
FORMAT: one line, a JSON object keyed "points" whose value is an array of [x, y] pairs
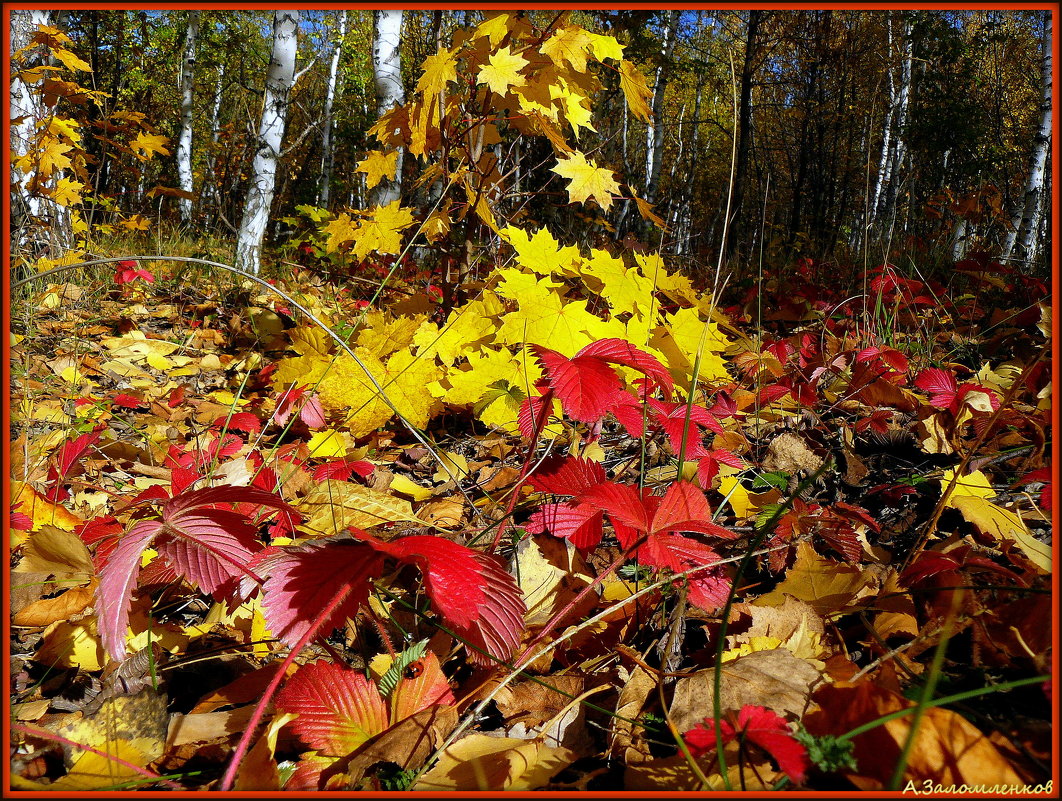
{"points": [[846, 584]]}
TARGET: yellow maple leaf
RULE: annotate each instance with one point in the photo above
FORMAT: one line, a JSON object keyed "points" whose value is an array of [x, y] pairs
{"points": [[437, 70], [625, 289], [467, 328], [605, 47], [378, 165], [632, 82], [70, 60], [568, 44], [67, 192], [341, 229], [52, 158], [554, 323], [494, 28], [382, 231], [503, 70], [542, 253], [587, 180], [468, 383], [64, 128], [149, 144], [383, 336]]}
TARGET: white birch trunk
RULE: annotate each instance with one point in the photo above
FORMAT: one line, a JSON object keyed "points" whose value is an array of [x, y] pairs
{"points": [[654, 134], [1021, 240], [26, 111], [886, 140], [184, 142], [387, 72], [327, 149], [279, 79], [899, 147]]}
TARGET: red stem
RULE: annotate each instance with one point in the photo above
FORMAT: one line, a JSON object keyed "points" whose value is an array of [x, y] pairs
{"points": [[47, 735], [540, 423], [245, 739]]}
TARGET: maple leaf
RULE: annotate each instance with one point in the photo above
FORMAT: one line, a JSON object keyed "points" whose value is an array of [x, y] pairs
{"points": [[148, 144], [378, 165], [632, 82], [569, 44], [210, 547], [587, 180], [503, 70], [68, 192], [52, 158], [437, 71], [761, 727], [382, 231]]}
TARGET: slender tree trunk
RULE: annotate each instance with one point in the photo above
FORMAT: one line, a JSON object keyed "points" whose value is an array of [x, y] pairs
{"points": [[654, 134], [279, 79], [184, 142], [210, 180], [744, 131], [26, 110], [1021, 241], [387, 71], [886, 140], [898, 144], [327, 148]]}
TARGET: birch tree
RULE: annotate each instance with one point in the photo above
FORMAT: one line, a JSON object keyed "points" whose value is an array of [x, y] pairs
{"points": [[184, 142], [1022, 240], [327, 149], [387, 72], [279, 79], [26, 110], [654, 134]]}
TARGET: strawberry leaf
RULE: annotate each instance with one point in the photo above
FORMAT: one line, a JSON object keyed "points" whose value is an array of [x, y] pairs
{"points": [[471, 591], [940, 385], [338, 708], [579, 523], [300, 580], [586, 386], [567, 476], [118, 577]]}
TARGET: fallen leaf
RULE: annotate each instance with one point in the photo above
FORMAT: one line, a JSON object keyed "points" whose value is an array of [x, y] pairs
{"points": [[481, 762]]}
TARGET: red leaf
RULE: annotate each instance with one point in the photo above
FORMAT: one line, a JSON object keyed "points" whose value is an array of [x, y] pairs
{"points": [[117, 579], [531, 410], [620, 351], [210, 547], [586, 386], [567, 475], [940, 385], [312, 413], [342, 470], [421, 689], [471, 591], [128, 401], [580, 524], [338, 708], [301, 580], [760, 726], [240, 421]]}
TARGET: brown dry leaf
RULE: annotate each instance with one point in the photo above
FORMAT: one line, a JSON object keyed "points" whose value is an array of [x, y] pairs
{"points": [[46, 611], [494, 478], [444, 513], [632, 698], [775, 679], [532, 704], [550, 573], [790, 453], [408, 744], [825, 584], [481, 762], [949, 750], [56, 551], [259, 770], [205, 726]]}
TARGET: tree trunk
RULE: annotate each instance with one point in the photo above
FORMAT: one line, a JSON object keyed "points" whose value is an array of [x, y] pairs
{"points": [[184, 142], [744, 131], [899, 146], [654, 134], [1021, 241], [210, 179], [279, 79], [387, 71], [26, 110], [886, 140], [327, 148]]}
